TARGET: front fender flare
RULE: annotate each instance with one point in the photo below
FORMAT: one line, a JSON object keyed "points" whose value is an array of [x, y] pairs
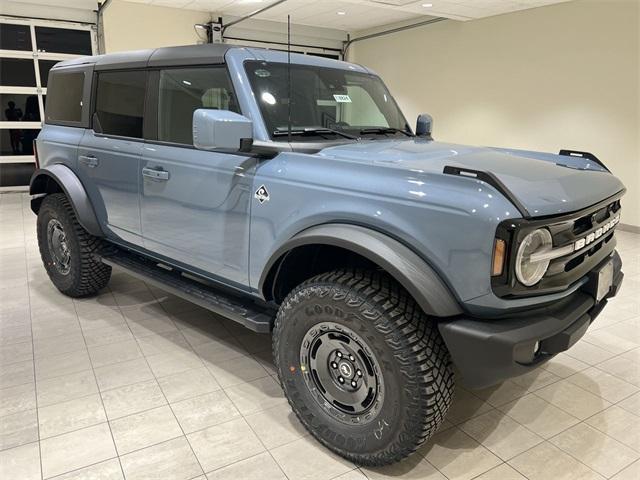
{"points": [[71, 186], [404, 265]]}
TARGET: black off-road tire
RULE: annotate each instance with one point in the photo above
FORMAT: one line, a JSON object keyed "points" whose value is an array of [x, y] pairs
{"points": [[414, 364], [86, 273]]}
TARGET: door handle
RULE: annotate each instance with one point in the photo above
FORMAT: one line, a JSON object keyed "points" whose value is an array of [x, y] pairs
{"points": [[154, 174], [88, 161]]}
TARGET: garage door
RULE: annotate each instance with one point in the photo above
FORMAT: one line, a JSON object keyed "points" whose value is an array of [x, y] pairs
{"points": [[28, 50]]}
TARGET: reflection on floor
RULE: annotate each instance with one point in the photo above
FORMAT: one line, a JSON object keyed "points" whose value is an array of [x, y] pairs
{"points": [[137, 384]]}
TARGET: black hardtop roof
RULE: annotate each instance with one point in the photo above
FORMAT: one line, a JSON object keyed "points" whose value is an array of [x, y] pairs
{"points": [[210, 53]]}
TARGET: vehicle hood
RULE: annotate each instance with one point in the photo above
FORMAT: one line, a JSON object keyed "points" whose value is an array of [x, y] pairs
{"points": [[544, 183]]}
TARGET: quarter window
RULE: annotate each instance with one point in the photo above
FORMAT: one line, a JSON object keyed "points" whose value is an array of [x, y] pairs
{"points": [[184, 90], [120, 103], [66, 97]]}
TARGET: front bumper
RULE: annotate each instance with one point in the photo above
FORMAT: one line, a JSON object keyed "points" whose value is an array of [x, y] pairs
{"points": [[487, 352]]}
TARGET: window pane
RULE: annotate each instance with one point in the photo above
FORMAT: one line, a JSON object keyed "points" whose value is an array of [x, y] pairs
{"points": [[15, 37], [183, 90], [65, 102], [19, 108], [63, 40], [16, 174], [44, 67], [17, 72], [16, 141], [120, 103]]}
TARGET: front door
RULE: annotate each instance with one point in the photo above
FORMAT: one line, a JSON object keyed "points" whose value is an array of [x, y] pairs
{"points": [[109, 154], [195, 204]]}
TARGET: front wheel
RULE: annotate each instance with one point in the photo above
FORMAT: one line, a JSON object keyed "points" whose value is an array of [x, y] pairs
{"points": [[364, 369]]}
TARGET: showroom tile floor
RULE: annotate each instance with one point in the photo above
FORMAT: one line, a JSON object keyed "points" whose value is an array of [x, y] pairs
{"points": [[137, 384]]}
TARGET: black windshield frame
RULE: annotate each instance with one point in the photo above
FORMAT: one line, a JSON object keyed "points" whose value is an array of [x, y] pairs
{"points": [[317, 92]]}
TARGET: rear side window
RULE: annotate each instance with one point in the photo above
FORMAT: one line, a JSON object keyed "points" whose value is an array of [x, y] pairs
{"points": [[120, 103], [183, 90], [64, 95]]}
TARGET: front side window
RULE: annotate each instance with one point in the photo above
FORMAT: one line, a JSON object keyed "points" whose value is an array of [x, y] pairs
{"points": [[184, 90], [120, 103], [326, 103], [65, 94]]}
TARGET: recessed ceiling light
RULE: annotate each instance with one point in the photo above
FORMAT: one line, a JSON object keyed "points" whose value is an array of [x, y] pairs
{"points": [[427, 5], [341, 13]]}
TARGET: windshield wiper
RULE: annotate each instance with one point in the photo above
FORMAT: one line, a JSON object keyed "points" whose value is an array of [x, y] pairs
{"points": [[311, 131], [384, 130]]}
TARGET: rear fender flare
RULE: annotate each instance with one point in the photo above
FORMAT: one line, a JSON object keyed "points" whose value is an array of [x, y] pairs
{"points": [[421, 281], [69, 183]]}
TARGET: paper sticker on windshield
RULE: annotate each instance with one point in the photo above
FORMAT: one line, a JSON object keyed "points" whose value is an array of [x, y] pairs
{"points": [[342, 98], [262, 73]]}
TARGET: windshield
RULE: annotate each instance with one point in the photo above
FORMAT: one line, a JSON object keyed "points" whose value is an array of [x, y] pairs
{"points": [[327, 103]]}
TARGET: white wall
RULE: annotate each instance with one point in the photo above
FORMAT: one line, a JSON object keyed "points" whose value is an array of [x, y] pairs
{"points": [[268, 31], [134, 26], [562, 76]]}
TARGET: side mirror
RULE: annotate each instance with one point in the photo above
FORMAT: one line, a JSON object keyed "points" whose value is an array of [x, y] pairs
{"points": [[221, 129], [424, 125]]}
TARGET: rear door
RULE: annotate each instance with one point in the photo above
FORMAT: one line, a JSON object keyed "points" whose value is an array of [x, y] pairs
{"points": [[194, 203], [110, 152]]}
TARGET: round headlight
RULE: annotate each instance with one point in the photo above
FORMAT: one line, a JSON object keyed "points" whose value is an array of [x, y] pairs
{"points": [[529, 272]]}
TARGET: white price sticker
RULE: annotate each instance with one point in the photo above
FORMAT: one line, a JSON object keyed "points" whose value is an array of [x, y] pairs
{"points": [[342, 98]]}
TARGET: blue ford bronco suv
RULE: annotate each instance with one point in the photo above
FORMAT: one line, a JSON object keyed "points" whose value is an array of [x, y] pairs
{"points": [[294, 198]]}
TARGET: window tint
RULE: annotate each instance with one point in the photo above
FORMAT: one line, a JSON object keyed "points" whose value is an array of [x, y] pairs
{"points": [[18, 107], [65, 102], [120, 103], [14, 141], [15, 37], [183, 90], [17, 72], [16, 174], [44, 66], [63, 40]]}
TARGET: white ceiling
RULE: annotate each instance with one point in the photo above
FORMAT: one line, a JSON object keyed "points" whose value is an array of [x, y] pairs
{"points": [[355, 14]]}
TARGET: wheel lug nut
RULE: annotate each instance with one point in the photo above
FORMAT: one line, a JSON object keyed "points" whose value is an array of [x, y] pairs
{"points": [[359, 373], [354, 384], [351, 358], [339, 354], [341, 380], [334, 365]]}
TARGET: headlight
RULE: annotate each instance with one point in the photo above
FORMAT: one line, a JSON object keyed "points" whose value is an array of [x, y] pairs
{"points": [[528, 272]]}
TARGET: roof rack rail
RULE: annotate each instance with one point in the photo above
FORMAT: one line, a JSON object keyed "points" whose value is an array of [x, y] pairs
{"points": [[492, 180]]}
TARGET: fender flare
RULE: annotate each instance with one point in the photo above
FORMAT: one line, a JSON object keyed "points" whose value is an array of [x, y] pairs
{"points": [[71, 186], [421, 281]]}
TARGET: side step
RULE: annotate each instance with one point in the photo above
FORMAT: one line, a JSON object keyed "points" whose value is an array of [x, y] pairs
{"points": [[232, 307]]}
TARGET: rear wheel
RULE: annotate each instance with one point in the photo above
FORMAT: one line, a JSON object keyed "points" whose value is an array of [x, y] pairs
{"points": [[363, 368], [68, 251]]}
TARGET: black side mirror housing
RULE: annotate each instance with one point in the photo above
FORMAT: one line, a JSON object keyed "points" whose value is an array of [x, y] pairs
{"points": [[424, 125]]}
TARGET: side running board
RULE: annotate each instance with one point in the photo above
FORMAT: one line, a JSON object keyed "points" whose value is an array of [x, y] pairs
{"points": [[492, 180], [234, 308]]}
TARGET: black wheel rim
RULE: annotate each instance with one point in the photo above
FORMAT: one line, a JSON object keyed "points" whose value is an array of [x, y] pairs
{"points": [[341, 372], [58, 246]]}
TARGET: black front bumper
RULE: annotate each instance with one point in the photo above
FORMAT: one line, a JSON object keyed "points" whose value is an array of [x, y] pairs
{"points": [[488, 351]]}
